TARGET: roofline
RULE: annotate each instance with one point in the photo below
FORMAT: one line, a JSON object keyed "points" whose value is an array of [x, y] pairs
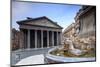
{"points": [[69, 27], [33, 19], [82, 12]]}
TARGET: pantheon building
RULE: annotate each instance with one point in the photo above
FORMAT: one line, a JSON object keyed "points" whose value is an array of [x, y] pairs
{"points": [[39, 32]]}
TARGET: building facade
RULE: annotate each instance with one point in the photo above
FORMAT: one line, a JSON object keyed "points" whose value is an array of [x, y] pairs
{"points": [[83, 31], [15, 39], [86, 20], [39, 32], [69, 32]]}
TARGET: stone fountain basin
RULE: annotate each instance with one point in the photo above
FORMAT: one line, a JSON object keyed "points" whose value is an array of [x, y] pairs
{"points": [[53, 58]]}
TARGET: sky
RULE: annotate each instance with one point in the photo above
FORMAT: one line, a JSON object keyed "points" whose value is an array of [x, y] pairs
{"points": [[63, 14]]}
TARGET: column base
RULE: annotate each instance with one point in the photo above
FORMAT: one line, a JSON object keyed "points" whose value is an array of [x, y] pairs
{"points": [[35, 48], [48, 47], [28, 49]]}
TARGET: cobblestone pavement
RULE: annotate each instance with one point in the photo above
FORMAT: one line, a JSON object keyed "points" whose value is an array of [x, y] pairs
{"points": [[20, 54]]}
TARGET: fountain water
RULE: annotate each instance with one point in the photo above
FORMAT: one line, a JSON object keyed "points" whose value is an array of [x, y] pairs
{"points": [[68, 53]]}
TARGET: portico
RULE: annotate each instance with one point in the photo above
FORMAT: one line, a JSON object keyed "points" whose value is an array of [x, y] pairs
{"points": [[39, 33]]}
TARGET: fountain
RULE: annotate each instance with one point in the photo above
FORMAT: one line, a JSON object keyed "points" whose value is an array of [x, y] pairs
{"points": [[68, 53]]}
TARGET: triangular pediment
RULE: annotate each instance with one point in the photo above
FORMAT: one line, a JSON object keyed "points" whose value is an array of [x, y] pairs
{"points": [[42, 22]]}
